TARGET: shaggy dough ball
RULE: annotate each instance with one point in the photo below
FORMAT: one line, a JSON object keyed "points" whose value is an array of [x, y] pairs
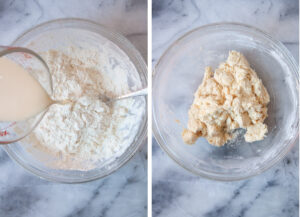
{"points": [[231, 97]]}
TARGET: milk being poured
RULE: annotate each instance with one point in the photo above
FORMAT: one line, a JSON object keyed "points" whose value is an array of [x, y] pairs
{"points": [[21, 96]]}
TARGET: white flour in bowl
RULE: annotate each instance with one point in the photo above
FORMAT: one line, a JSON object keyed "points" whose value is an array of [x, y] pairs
{"points": [[87, 130]]}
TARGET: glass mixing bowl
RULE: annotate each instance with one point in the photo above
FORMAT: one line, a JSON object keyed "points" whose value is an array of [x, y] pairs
{"points": [[59, 34], [180, 71]]}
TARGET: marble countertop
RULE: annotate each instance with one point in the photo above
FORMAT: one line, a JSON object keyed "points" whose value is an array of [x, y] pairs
{"points": [[123, 193], [178, 193]]}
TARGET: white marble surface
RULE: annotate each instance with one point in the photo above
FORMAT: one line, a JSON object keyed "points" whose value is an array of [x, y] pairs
{"points": [[124, 193], [178, 193]]}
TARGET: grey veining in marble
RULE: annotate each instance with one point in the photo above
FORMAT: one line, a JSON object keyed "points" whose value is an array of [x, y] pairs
{"points": [[176, 192], [124, 193]]}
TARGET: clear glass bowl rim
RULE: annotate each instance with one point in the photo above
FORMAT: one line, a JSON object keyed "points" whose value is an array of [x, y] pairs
{"points": [[220, 176]]}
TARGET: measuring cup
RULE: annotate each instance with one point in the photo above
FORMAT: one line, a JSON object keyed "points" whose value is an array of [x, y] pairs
{"points": [[14, 131]]}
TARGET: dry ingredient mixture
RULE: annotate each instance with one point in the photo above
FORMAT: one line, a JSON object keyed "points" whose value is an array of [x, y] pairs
{"points": [[86, 130], [232, 97]]}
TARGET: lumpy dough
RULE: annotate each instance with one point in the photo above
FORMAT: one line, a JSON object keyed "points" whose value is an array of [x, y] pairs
{"points": [[232, 97]]}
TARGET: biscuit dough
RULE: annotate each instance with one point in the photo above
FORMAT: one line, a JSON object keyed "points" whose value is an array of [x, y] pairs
{"points": [[232, 97]]}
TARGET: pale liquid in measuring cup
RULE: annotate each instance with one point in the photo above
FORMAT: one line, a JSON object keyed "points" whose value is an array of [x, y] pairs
{"points": [[21, 96]]}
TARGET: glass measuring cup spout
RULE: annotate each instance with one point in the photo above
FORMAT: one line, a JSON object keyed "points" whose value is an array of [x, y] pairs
{"points": [[31, 62]]}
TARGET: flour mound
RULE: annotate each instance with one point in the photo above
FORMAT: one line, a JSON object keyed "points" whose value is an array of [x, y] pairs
{"points": [[85, 130]]}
